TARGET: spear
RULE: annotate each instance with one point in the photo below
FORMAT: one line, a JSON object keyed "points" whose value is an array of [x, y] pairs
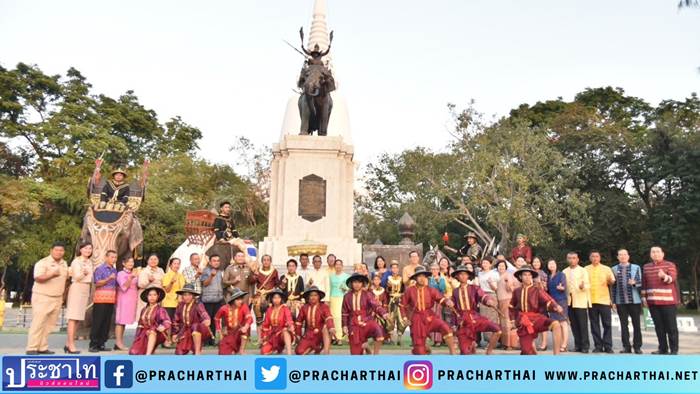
{"points": [[295, 48]]}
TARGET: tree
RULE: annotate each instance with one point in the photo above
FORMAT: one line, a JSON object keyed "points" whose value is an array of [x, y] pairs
{"points": [[57, 126], [495, 179]]}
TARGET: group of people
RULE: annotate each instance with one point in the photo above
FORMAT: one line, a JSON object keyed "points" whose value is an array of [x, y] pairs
{"points": [[310, 307]]}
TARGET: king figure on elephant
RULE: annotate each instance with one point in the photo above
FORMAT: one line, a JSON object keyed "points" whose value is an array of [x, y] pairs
{"points": [[316, 83]]}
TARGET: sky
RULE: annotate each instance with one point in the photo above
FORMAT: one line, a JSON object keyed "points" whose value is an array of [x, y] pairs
{"points": [[223, 67]]}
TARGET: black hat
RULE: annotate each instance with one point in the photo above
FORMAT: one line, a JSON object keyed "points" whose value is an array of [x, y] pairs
{"points": [[462, 268], [520, 272], [159, 290], [355, 277], [235, 294], [420, 270], [312, 289], [188, 288], [274, 291]]}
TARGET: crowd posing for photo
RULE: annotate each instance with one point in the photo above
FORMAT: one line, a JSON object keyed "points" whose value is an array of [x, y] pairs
{"points": [[481, 301]]}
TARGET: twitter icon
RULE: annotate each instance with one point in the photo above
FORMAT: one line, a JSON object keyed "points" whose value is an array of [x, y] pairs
{"points": [[270, 373]]}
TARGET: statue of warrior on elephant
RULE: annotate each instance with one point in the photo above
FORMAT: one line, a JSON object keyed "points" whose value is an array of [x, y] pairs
{"points": [[316, 83]]}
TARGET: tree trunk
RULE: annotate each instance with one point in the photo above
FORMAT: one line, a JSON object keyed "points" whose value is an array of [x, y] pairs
{"points": [[696, 272], [26, 299]]}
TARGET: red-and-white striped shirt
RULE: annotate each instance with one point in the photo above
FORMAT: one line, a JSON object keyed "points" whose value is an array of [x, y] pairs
{"points": [[654, 289]]}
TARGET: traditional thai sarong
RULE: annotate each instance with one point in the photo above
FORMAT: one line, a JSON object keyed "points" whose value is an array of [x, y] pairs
{"points": [[421, 301], [470, 323], [277, 321], [312, 318], [358, 313], [235, 318], [153, 318], [382, 298], [189, 322], [395, 289], [292, 286], [264, 281]]}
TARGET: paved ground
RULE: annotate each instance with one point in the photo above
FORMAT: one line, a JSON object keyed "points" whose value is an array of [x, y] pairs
{"points": [[14, 343]]}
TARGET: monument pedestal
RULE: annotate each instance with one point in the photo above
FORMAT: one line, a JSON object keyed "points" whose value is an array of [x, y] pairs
{"points": [[311, 197]]}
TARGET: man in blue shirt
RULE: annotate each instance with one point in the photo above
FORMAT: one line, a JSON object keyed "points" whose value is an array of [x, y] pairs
{"points": [[212, 291], [627, 300]]}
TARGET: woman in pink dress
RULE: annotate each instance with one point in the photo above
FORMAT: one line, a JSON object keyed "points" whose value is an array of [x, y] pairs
{"points": [[127, 295]]}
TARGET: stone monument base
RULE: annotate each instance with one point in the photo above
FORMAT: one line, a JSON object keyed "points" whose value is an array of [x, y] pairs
{"points": [[311, 197]]}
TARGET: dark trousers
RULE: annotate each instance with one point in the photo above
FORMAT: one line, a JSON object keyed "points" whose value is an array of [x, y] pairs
{"points": [[634, 311], [601, 314], [579, 327], [171, 313], [212, 308], [102, 317], [664, 317]]}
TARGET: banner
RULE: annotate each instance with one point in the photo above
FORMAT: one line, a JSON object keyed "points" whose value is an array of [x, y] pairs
{"points": [[352, 374]]}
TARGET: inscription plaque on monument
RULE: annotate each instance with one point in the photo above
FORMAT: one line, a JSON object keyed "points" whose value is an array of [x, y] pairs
{"points": [[312, 197]]}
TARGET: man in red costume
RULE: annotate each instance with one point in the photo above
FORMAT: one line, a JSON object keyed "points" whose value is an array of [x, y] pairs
{"points": [[316, 320], [237, 318], [418, 302], [469, 322], [531, 303], [358, 312], [278, 327], [191, 326]]}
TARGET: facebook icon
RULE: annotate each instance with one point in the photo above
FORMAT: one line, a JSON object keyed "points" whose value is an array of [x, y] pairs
{"points": [[119, 374]]}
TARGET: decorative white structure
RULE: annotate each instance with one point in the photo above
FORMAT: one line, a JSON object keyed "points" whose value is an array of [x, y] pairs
{"points": [[311, 196]]}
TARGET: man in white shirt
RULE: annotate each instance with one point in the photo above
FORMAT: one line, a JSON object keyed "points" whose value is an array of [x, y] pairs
{"points": [[578, 287], [304, 270], [318, 277]]}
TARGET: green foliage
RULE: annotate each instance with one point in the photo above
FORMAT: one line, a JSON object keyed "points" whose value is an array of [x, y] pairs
{"points": [[58, 128], [603, 171]]}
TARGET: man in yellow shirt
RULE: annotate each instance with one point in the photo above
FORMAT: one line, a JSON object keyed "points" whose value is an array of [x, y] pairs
{"points": [[579, 300], [601, 277]]}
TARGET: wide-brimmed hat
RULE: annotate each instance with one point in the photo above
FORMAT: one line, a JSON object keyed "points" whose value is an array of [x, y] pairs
{"points": [[235, 294], [462, 268], [120, 170], [274, 291], [471, 234], [420, 270], [159, 290], [519, 273], [188, 288], [312, 289], [356, 276]]}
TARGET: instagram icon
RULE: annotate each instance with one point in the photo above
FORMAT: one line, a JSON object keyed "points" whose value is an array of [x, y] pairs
{"points": [[418, 375]]}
